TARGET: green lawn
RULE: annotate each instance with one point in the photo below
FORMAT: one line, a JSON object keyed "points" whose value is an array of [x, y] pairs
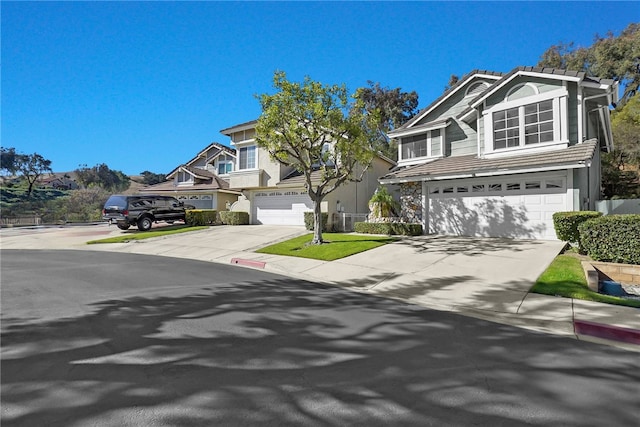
{"points": [[134, 234], [336, 246], [565, 278]]}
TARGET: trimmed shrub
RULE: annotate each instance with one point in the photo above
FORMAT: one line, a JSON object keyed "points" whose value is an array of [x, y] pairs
{"points": [[195, 217], [389, 228], [234, 218], [309, 221], [612, 238], [566, 224]]}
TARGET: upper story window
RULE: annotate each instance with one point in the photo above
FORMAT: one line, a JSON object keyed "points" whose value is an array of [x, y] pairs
{"points": [[225, 167], [533, 121], [247, 157], [423, 145], [414, 146], [524, 125]]}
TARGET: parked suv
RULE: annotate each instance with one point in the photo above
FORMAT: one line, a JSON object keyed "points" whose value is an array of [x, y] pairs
{"points": [[142, 210]]}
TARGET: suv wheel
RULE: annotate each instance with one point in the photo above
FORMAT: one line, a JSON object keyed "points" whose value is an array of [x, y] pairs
{"points": [[145, 223], [123, 226]]}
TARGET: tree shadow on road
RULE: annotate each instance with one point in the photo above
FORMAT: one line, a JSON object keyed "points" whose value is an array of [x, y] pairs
{"points": [[286, 352]]}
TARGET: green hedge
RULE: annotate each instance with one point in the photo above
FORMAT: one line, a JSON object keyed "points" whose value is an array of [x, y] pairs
{"points": [[196, 217], [234, 218], [612, 238], [309, 221], [389, 228], [566, 224]]}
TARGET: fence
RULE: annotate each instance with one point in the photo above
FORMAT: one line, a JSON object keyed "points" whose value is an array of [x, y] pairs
{"points": [[345, 221], [620, 206], [20, 220]]}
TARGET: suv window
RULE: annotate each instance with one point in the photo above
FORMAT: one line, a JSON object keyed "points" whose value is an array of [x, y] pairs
{"points": [[117, 202]]}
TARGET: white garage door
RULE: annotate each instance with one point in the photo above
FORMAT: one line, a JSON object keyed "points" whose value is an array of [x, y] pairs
{"points": [[281, 207], [517, 207]]}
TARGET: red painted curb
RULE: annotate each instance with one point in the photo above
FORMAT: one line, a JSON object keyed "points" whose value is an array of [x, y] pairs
{"points": [[615, 333], [248, 262]]}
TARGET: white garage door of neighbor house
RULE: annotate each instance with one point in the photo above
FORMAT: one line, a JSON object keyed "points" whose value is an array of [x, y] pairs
{"points": [[281, 207], [516, 207]]}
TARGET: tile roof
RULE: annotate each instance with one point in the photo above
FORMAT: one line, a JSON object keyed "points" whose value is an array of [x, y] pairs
{"points": [[209, 181], [503, 77], [541, 70], [227, 131], [471, 164]]}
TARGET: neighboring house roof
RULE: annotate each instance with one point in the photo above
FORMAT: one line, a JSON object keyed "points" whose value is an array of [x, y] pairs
{"points": [[242, 126], [471, 165], [220, 147], [205, 180]]}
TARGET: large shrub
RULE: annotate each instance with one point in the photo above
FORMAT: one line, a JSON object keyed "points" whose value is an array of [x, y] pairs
{"points": [[566, 224], [234, 218], [309, 221], [389, 228], [196, 217], [614, 238]]}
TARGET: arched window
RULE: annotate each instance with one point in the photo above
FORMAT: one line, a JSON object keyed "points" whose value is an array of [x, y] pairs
{"points": [[521, 91]]}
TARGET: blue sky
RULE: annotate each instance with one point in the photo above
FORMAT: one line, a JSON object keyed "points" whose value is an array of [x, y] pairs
{"points": [[147, 85]]}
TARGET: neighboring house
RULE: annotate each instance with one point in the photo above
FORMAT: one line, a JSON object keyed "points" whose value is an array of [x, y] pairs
{"points": [[59, 182], [275, 194], [203, 181], [496, 155]]}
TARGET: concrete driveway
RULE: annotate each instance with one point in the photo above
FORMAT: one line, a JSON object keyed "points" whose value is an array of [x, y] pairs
{"points": [[451, 273]]}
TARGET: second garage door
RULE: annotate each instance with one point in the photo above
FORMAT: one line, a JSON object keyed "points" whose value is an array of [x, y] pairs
{"points": [[281, 207], [520, 206]]}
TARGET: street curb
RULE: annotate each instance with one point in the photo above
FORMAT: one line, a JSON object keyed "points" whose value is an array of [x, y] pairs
{"points": [[248, 262], [610, 332]]}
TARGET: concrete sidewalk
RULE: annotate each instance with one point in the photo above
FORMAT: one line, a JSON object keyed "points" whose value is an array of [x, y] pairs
{"points": [[483, 278]]}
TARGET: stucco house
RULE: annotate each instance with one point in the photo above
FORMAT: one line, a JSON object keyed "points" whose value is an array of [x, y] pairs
{"points": [[497, 154], [275, 194], [203, 181]]}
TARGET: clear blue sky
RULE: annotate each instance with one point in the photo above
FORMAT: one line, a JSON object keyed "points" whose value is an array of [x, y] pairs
{"points": [[146, 86]]}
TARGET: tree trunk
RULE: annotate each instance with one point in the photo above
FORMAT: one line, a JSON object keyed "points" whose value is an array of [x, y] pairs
{"points": [[317, 223]]}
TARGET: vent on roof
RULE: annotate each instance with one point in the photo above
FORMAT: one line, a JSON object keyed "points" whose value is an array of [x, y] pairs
{"points": [[476, 88]]}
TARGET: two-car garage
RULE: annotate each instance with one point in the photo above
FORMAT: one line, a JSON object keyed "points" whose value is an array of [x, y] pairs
{"points": [[280, 207], [517, 206]]}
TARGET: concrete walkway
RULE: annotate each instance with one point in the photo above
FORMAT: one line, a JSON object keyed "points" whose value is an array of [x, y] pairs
{"points": [[483, 278]]}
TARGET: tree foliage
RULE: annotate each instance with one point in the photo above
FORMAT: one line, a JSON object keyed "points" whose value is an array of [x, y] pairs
{"points": [[320, 131], [31, 167], [101, 176], [392, 107], [611, 57], [150, 178], [8, 163]]}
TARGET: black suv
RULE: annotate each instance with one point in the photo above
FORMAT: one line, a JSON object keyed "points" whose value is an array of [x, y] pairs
{"points": [[142, 210]]}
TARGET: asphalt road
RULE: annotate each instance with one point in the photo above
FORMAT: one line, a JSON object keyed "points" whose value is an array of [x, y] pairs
{"points": [[110, 339]]}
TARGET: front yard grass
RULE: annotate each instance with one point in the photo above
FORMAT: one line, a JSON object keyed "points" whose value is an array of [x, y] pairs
{"points": [[335, 246], [565, 278], [135, 234]]}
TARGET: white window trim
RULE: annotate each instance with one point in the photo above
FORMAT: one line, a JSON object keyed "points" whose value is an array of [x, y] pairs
{"points": [[560, 128], [423, 159], [246, 145]]}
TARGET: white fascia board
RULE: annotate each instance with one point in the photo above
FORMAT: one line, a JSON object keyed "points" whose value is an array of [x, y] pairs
{"points": [[415, 131], [484, 174]]}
